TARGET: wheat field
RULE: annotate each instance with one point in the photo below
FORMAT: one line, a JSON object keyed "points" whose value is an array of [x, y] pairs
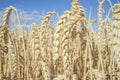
{"points": [[71, 50]]}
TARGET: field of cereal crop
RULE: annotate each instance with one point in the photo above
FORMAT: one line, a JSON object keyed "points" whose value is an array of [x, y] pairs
{"points": [[70, 50]]}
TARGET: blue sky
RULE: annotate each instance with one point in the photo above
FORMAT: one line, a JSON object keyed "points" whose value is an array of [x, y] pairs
{"points": [[33, 9]]}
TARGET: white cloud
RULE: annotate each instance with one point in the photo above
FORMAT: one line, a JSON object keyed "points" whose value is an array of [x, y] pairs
{"points": [[35, 12], [28, 17]]}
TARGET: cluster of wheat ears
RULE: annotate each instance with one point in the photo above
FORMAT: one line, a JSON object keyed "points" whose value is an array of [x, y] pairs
{"points": [[71, 50]]}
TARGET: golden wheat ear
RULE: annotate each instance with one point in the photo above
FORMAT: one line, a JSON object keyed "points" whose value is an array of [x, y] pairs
{"points": [[45, 27], [7, 15], [116, 34], [5, 23], [4, 38]]}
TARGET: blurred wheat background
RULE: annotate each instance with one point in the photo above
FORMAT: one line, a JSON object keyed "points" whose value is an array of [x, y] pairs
{"points": [[68, 50]]}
